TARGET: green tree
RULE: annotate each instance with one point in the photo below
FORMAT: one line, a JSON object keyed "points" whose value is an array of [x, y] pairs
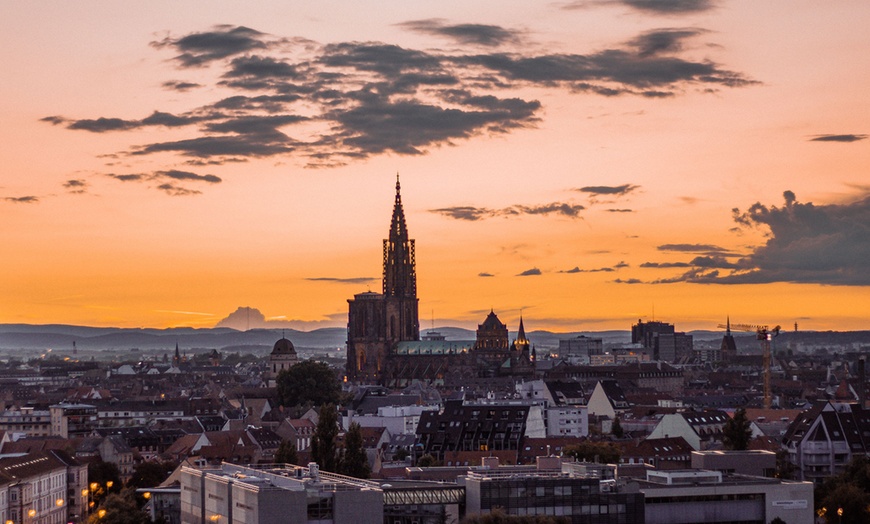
{"points": [[308, 382], [354, 462], [616, 429], [323, 444], [286, 453], [850, 490], [103, 478], [736, 433], [150, 474], [119, 508], [590, 451], [427, 461]]}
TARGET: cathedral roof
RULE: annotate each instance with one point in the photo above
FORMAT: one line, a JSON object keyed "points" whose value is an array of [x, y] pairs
{"points": [[492, 321], [283, 347]]}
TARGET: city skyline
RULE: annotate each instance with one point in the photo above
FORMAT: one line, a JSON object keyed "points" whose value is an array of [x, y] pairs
{"points": [[586, 163]]}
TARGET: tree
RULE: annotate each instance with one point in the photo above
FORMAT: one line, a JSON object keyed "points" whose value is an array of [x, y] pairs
{"points": [[736, 433], [616, 429], [103, 478], [323, 448], [150, 474], [354, 462], [427, 461], [589, 451], [286, 453], [308, 382], [119, 508], [850, 490]]}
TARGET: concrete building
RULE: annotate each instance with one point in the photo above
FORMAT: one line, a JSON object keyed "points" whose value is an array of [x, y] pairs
{"points": [[579, 350], [72, 420], [702, 497], [26, 421], [548, 489], [757, 463], [34, 489], [822, 441], [239, 494]]}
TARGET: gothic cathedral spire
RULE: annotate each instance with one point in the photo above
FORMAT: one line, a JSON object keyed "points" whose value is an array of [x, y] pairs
{"points": [[400, 275]]}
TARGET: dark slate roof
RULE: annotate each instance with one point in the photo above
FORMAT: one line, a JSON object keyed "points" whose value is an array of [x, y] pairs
{"points": [[32, 464], [562, 391]]}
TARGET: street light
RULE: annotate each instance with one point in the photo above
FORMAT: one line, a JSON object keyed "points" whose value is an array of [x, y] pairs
{"points": [[839, 514]]}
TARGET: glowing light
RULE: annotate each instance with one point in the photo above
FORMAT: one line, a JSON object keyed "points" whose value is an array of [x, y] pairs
{"points": [[146, 495], [58, 502], [101, 513], [85, 492], [109, 484], [94, 486], [31, 513]]}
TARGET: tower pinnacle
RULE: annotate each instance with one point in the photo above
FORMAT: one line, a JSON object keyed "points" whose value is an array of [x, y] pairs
{"points": [[400, 277]]}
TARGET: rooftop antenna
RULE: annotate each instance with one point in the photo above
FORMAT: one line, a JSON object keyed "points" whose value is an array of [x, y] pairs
{"points": [[433, 320]]}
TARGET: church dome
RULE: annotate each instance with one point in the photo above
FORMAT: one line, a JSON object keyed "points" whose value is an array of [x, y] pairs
{"points": [[283, 347]]}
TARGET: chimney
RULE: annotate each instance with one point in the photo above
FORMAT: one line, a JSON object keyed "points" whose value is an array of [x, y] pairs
{"points": [[490, 462]]}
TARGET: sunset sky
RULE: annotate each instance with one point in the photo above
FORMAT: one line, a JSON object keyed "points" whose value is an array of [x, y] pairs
{"points": [[587, 162]]}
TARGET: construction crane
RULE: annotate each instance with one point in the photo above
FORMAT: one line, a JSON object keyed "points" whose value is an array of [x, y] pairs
{"points": [[764, 336]]}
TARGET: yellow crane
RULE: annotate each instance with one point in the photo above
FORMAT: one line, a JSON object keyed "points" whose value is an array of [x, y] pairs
{"points": [[764, 335]]}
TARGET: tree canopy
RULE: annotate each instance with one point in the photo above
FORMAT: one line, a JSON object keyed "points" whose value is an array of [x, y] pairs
{"points": [[286, 453], [323, 445], [849, 491], [354, 462], [736, 434], [308, 382], [590, 451]]}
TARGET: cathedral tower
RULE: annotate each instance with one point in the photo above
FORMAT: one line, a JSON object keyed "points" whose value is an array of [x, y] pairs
{"points": [[377, 322]]}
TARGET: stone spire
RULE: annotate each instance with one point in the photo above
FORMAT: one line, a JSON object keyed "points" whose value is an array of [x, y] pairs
{"points": [[400, 275]]}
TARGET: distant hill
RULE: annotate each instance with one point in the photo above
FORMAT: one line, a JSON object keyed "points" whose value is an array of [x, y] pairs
{"points": [[60, 337]]}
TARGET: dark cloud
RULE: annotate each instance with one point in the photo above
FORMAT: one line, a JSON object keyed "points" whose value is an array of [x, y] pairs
{"points": [[53, 120], [705, 249], [174, 190], [178, 85], [624, 189], [466, 34], [187, 175], [619, 210], [477, 213], [825, 244], [135, 177], [628, 281], [838, 138], [354, 280], [530, 272], [29, 199], [621, 264], [670, 7], [654, 7], [373, 98], [576, 269], [653, 43], [464, 212], [222, 41], [660, 265], [76, 185], [484, 274]]}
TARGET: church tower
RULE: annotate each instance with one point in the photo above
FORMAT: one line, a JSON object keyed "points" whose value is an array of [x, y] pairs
{"points": [[377, 322], [400, 277]]}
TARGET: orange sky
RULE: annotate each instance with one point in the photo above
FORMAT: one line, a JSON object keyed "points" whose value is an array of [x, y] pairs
{"points": [[611, 136]]}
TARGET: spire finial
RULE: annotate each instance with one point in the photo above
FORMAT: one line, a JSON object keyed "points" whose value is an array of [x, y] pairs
{"points": [[728, 325]]}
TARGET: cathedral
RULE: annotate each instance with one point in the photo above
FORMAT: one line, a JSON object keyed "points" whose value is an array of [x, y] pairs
{"points": [[383, 330]]}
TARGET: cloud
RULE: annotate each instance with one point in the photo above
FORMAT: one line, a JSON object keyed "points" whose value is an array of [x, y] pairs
{"points": [[166, 180], [187, 175], [76, 186], [471, 213], [654, 7], [174, 190], [619, 210], [222, 41], [621, 264], [484, 274], [838, 138], [178, 85], [29, 199], [576, 269], [624, 189], [327, 105], [824, 244], [628, 281], [530, 272], [707, 249], [353, 280], [465, 34]]}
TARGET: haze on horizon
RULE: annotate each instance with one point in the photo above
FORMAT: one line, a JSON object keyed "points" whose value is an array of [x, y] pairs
{"points": [[587, 163]]}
